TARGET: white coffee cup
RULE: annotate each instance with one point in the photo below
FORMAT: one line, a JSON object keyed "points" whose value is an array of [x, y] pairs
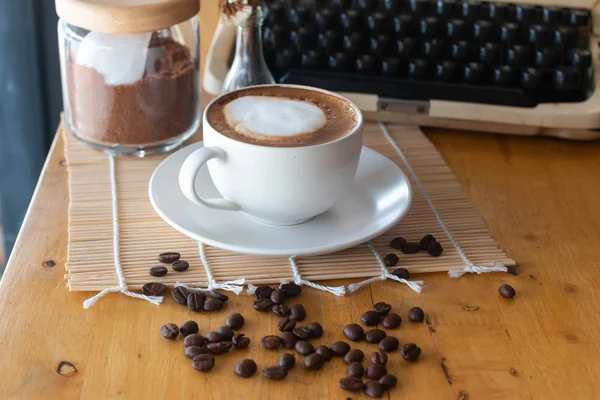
{"points": [[274, 185]]}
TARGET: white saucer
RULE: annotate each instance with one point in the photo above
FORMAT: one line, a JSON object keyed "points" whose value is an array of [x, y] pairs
{"points": [[378, 199]]}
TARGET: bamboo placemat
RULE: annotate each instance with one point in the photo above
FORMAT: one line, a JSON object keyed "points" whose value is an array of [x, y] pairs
{"points": [[439, 207]]}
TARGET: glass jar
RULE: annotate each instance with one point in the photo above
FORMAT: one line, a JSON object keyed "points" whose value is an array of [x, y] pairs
{"points": [[130, 73]]}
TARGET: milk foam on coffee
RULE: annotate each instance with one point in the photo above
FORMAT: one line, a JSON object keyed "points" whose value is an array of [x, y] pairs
{"points": [[258, 116]]}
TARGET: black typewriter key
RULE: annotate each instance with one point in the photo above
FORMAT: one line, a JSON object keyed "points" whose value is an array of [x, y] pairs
{"points": [[497, 12], [311, 59], [505, 76], [518, 56], [418, 69], [524, 13], [565, 36], [579, 18], [299, 15], [406, 47], [546, 58], [275, 14], [531, 78], [445, 71], [473, 73], [276, 36], [456, 29], [428, 27], [580, 58], [329, 41], [460, 51], [566, 78], [365, 64], [489, 53], [324, 18], [551, 15], [302, 38], [339, 62], [368, 5], [509, 33], [433, 48], [285, 59], [403, 25], [390, 67], [483, 31], [379, 45], [353, 43], [377, 22], [470, 10], [419, 7], [446, 9], [350, 20], [538, 35], [341, 4]]}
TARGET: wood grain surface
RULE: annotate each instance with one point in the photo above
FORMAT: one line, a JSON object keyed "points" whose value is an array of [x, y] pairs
{"points": [[539, 197]]}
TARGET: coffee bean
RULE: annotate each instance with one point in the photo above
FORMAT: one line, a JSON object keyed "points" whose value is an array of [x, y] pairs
{"points": [[213, 337], [169, 331], [263, 292], [356, 369], [302, 332], [354, 355], [410, 248], [154, 289], [235, 321], [382, 308], [291, 290], [286, 325], [340, 348], [180, 295], [325, 352], [277, 296], [213, 304], [389, 343], [287, 361], [416, 314], [297, 312], [371, 318], [392, 321], [219, 347], [507, 291], [314, 362], [180, 266], [316, 330], [194, 339], [398, 243], [217, 295], [351, 384], [379, 357], [388, 381], [240, 341], [158, 271], [425, 241], [391, 260], [354, 332], [376, 371], [401, 273], [374, 335], [193, 351], [169, 257], [262, 305], [435, 249], [275, 373], [204, 362], [195, 301], [226, 332], [373, 389], [188, 328], [281, 310], [305, 348], [246, 368], [411, 352], [288, 339], [271, 342]]}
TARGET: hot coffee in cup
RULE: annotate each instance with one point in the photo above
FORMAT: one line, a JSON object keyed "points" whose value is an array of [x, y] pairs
{"points": [[280, 153]]}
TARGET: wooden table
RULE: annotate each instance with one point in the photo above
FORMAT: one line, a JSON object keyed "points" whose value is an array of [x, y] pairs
{"points": [[539, 197]]}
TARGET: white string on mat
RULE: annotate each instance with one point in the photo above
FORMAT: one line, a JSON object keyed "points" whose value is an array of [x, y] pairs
{"points": [[298, 280], [414, 285], [469, 266], [116, 250]]}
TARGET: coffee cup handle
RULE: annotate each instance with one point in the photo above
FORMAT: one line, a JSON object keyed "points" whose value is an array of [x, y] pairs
{"points": [[187, 178]]}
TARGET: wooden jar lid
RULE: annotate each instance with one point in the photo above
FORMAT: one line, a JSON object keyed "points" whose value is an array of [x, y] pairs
{"points": [[126, 16]]}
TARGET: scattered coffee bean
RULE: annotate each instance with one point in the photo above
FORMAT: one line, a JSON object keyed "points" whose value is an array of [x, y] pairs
{"points": [[354, 355], [351, 384], [275, 373], [354, 332], [435, 249], [371, 318], [302, 332], [288, 339], [213, 337], [315, 329], [356, 369], [291, 290], [376, 371], [213, 304], [277, 296], [373, 389], [235, 321], [218, 295], [340, 348], [392, 321], [281, 310], [401, 273], [389, 343], [305, 348], [180, 295], [169, 257], [158, 271], [263, 292], [262, 304], [374, 335], [219, 347], [507, 291], [195, 301], [193, 351], [379, 357], [194, 339], [180, 266], [246, 368], [188, 328], [416, 314], [425, 241], [169, 331], [154, 289], [388, 381], [314, 361], [325, 352], [240, 341], [411, 352], [297, 312], [286, 325], [271, 342], [204, 362], [410, 248], [287, 361], [398, 243], [390, 260], [382, 308], [226, 332]]}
